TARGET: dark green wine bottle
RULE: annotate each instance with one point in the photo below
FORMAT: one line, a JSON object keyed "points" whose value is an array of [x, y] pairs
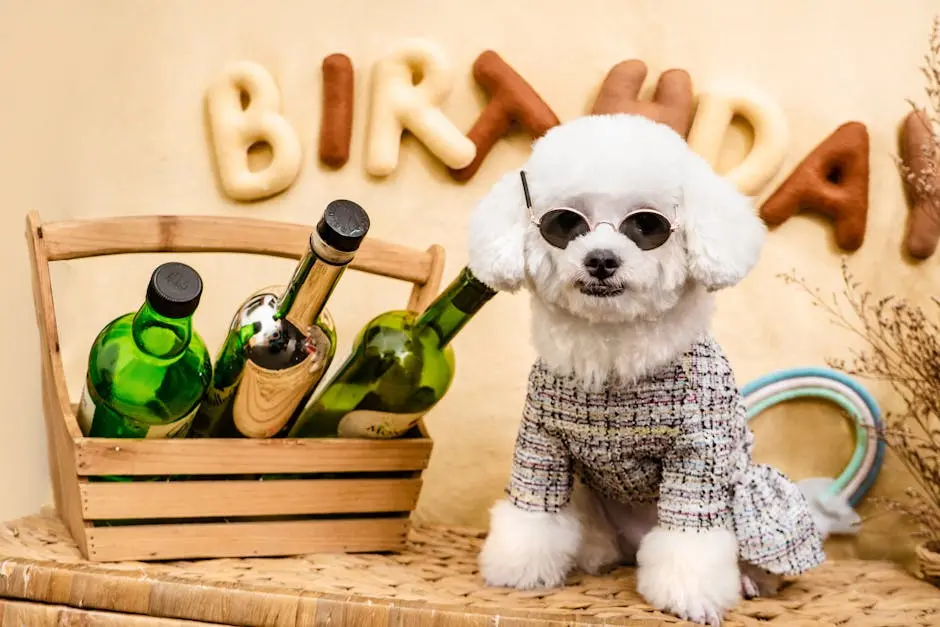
{"points": [[400, 366], [148, 370], [282, 340]]}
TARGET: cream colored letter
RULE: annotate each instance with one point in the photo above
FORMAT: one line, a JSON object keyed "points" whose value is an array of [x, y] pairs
{"points": [[235, 128], [399, 103], [716, 109]]}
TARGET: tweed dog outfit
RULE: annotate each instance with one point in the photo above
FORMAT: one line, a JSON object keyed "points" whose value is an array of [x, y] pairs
{"points": [[679, 436]]}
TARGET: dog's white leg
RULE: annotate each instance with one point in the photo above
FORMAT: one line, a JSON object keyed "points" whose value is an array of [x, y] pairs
{"points": [[529, 549], [599, 547], [632, 522], [692, 574]]}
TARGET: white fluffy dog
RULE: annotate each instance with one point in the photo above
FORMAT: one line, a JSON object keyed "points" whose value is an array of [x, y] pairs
{"points": [[634, 446]]}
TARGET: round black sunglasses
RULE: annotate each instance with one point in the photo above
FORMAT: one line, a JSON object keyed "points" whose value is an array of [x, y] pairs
{"points": [[559, 226]]}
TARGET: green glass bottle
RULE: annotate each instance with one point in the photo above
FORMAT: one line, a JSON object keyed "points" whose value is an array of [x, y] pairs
{"points": [[400, 366], [282, 339], [148, 370]]}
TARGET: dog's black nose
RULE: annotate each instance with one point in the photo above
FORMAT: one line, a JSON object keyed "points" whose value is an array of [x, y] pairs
{"points": [[601, 264]]}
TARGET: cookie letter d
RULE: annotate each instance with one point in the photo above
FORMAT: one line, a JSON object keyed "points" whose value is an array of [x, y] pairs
{"points": [[717, 106]]}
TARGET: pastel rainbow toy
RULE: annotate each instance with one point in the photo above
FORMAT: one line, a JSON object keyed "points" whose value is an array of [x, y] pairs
{"points": [[834, 496]]}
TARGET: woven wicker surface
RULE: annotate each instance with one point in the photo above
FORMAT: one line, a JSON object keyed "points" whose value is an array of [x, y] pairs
{"points": [[434, 583], [26, 614]]}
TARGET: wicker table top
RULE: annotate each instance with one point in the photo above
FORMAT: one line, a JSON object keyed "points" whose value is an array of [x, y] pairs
{"points": [[435, 582]]}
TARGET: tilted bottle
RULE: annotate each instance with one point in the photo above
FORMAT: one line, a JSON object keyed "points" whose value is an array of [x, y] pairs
{"points": [[400, 366], [282, 340], [148, 370]]}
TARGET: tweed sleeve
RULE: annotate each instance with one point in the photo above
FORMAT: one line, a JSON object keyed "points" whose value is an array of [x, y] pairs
{"points": [[542, 476]]}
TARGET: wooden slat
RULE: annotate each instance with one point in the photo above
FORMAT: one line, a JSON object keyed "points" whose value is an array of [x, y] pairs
{"points": [[61, 460], [230, 456], [26, 614], [198, 499], [422, 295], [248, 539], [77, 239]]}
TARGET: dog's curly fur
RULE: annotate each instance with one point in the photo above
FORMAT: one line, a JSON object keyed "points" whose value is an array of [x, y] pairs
{"points": [[606, 166]]}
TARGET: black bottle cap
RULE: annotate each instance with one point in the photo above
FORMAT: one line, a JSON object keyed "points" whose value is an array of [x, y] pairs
{"points": [[174, 290], [343, 226]]}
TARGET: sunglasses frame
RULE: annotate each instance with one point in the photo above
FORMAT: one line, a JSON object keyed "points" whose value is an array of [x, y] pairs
{"points": [[592, 225]]}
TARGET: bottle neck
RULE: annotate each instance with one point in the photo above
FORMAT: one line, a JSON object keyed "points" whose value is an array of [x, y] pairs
{"points": [[313, 282], [160, 336], [455, 306]]}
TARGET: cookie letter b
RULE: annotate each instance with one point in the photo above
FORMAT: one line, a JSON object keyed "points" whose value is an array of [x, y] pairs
{"points": [[244, 107]]}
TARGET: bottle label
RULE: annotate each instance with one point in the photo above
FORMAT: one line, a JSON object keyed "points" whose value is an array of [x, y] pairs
{"points": [[86, 411], [366, 423], [86, 417], [175, 429], [266, 399]]}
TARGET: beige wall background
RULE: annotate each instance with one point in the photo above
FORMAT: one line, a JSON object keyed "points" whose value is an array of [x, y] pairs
{"points": [[102, 115]]}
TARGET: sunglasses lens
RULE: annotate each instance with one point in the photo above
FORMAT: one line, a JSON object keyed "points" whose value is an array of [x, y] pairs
{"points": [[560, 226], [648, 230]]}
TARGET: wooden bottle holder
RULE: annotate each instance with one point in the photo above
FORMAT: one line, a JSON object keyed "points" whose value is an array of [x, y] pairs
{"points": [[226, 515]]}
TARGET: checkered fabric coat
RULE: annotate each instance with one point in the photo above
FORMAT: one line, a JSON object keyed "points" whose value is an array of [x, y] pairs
{"points": [[679, 437]]}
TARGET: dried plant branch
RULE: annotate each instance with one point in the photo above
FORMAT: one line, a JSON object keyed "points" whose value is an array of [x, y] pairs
{"points": [[902, 348]]}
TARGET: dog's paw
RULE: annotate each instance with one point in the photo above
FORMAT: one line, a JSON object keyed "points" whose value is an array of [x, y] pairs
{"points": [[757, 582], [528, 550], [593, 562], [692, 574]]}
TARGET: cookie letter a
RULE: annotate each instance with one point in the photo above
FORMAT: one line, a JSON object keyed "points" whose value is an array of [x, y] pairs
{"points": [[244, 107]]}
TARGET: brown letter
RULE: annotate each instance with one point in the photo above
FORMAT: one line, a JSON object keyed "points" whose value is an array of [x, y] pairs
{"points": [[512, 99], [336, 119], [832, 180], [922, 182], [671, 103]]}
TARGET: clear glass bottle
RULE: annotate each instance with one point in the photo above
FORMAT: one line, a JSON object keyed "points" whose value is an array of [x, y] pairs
{"points": [[148, 370], [400, 366], [282, 340]]}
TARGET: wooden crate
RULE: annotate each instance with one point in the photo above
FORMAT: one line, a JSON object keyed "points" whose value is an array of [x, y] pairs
{"points": [[367, 511]]}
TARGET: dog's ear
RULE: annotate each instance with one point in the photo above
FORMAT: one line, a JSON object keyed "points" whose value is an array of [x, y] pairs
{"points": [[496, 253], [723, 233]]}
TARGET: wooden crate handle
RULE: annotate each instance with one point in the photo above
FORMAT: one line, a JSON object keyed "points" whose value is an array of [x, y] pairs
{"points": [[76, 239], [55, 388]]}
